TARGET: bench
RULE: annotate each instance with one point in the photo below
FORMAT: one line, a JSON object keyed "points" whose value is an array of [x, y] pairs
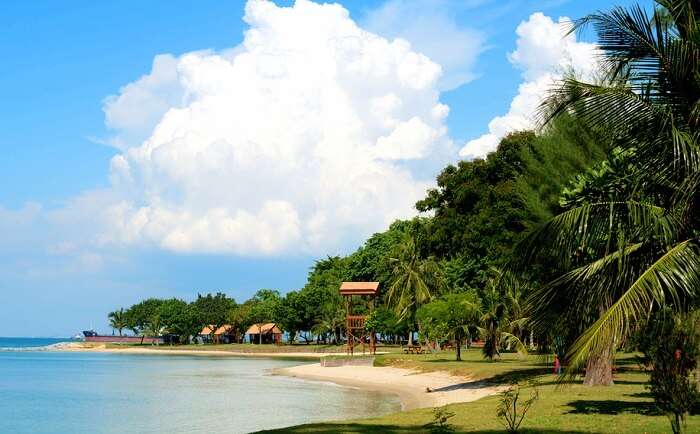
{"points": [[413, 349]]}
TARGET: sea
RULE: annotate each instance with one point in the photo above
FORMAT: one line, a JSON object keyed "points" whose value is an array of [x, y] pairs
{"points": [[54, 392]]}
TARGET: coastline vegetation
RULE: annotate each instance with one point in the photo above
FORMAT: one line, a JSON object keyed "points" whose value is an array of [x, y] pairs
{"points": [[565, 242]]}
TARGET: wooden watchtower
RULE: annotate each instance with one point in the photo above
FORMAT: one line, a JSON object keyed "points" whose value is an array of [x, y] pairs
{"points": [[355, 322]]}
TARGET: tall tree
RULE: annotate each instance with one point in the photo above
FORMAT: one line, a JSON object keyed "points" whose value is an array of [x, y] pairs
{"points": [[179, 318], [451, 317], [214, 310], [414, 281], [117, 320], [625, 254], [263, 306]]}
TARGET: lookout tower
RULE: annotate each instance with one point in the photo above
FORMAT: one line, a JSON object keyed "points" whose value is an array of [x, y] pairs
{"points": [[365, 293]]}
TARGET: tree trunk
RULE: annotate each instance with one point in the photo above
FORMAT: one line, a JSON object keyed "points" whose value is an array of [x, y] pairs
{"points": [[599, 368], [459, 350], [410, 338]]}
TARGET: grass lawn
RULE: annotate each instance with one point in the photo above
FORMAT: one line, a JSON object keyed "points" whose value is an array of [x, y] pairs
{"points": [[250, 348], [625, 407]]}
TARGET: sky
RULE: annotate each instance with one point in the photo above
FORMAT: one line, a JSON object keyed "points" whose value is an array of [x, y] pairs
{"points": [[161, 149]]}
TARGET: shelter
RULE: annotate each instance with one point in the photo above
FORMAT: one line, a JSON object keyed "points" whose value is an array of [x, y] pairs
{"points": [[225, 334], [357, 334], [264, 333]]}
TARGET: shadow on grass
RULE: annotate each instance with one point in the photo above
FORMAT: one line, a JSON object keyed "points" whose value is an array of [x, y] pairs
{"points": [[393, 429], [518, 375], [631, 382], [612, 407]]}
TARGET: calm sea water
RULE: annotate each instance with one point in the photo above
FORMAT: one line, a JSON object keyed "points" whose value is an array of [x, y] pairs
{"points": [[76, 393]]}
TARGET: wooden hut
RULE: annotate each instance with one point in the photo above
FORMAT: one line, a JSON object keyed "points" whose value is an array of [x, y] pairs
{"points": [[223, 335], [264, 333]]}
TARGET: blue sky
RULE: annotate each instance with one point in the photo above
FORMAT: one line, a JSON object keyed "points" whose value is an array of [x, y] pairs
{"points": [[61, 60]]}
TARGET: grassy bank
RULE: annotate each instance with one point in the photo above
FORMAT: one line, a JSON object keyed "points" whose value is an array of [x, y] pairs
{"points": [[240, 348], [625, 407]]}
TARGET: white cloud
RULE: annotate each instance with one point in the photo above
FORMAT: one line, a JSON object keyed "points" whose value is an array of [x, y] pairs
{"points": [[299, 139], [140, 105], [544, 53], [431, 27]]}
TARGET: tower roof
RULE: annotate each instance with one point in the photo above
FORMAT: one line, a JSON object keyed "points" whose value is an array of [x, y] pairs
{"points": [[359, 288]]}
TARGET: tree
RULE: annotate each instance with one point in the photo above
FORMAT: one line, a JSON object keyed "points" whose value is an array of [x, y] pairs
{"points": [[483, 207], [450, 317], [262, 308], [671, 347], [414, 281], [179, 318], [138, 317], [154, 328], [501, 321], [623, 254], [292, 313], [117, 320], [213, 311]]}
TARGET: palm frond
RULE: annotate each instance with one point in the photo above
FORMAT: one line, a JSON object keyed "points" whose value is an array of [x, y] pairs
{"points": [[675, 275]]}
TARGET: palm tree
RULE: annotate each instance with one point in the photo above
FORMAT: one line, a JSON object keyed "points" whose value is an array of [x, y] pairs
{"points": [[330, 322], [502, 322], [414, 281], [117, 320], [622, 256]]}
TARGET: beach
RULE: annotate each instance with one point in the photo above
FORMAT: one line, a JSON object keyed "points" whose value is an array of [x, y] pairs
{"points": [[153, 350], [410, 386]]}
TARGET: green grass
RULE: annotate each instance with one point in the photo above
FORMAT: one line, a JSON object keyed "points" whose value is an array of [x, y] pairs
{"points": [[248, 348], [625, 407], [473, 365]]}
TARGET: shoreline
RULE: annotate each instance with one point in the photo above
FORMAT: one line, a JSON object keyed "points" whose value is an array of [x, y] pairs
{"points": [[102, 348], [410, 386]]}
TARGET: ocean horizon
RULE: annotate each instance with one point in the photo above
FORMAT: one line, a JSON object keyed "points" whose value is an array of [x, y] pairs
{"points": [[83, 393]]}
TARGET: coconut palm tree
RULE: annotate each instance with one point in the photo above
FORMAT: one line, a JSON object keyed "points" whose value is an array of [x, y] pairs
{"points": [[414, 281], [330, 322], [502, 322], [624, 255], [117, 320]]}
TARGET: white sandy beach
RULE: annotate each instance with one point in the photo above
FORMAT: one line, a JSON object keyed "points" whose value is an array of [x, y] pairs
{"points": [[410, 386], [102, 348]]}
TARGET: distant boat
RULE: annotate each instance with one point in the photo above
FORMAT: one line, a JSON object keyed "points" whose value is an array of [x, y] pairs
{"points": [[93, 336]]}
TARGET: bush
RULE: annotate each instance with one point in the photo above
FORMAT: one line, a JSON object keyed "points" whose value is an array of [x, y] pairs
{"points": [[440, 423], [512, 410], [671, 347]]}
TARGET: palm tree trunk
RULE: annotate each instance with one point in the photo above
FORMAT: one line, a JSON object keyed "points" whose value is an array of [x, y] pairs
{"points": [[599, 368]]}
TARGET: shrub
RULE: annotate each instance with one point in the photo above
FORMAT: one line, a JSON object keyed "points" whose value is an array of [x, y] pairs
{"points": [[512, 409], [671, 347]]}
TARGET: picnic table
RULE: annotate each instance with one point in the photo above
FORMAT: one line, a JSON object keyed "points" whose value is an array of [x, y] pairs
{"points": [[413, 349]]}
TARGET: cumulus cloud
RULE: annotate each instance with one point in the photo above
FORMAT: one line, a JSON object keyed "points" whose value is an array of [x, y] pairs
{"points": [[140, 105], [431, 27], [307, 137], [544, 53]]}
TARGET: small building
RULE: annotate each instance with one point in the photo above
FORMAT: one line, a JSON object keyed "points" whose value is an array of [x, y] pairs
{"points": [[223, 335], [266, 333]]}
